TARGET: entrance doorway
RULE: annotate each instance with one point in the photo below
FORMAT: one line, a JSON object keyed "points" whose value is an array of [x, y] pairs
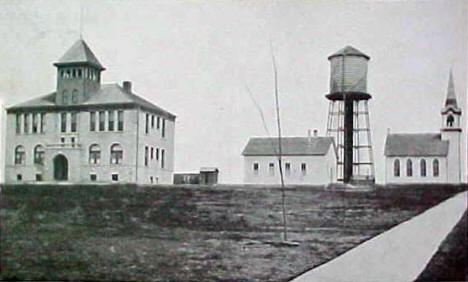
{"points": [[60, 168]]}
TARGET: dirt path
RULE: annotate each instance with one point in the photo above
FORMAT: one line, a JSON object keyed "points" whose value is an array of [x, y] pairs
{"points": [[399, 254]]}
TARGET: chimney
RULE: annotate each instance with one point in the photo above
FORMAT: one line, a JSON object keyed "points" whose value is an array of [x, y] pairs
{"points": [[127, 86], [315, 133]]}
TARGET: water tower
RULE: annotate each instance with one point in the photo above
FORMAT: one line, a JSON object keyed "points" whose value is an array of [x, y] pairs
{"points": [[348, 116]]}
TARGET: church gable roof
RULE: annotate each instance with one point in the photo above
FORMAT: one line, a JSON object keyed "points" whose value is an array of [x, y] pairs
{"points": [[415, 145], [292, 146], [79, 53]]}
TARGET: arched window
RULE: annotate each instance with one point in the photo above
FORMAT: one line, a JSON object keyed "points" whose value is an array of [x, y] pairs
{"points": [[94, 154], [20, 155], [65, 98], [450, 120], [75, 96], [396, 168], [116, 154], [39, 154], [435, 167], [423, 167], [409, 168]]}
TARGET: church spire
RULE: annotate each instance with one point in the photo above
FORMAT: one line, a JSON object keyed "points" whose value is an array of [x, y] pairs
{"points": [[451, 98]]}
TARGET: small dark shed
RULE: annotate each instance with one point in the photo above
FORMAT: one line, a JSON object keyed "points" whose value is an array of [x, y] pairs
{"points": [[209, 175]]}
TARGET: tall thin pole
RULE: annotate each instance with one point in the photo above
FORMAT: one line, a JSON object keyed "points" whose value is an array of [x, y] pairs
{"points": [[285, 232]]}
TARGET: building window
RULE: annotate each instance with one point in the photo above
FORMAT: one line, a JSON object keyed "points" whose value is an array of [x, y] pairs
{"points": [[73, 141], [409, 168], [102, 121], [255, 168], [94, 154], [450, 121], [65, 99], [163, 129], [162, 158], [152, 153], [271, 168], [435, 167], [111, 120], [158, 120], [93, 177], [146, 155], [152, 121], [115, 177], [43, 121], [92, 121], [75, 96], [63, 122], [423, 167], [35, 122], [38, 177], [20, 155], [147, 124], [18, 123], [396, 168], [304, 168], [157, 154], [116, 154], [74, 73], [39, 155], [120, 117], [287, 168], [26, 123], [73, 122], [79, 73], [19, 177]]}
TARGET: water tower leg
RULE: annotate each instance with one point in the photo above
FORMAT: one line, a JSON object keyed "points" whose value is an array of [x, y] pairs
{"points": [[348, 141]]}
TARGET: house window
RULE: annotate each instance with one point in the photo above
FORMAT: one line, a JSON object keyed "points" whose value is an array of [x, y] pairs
{"points": [[287, 168], [92, 121], [157, 154], [75, 96], [116, 154], [450, 120], [146, 155], [38, 177], [147, 124], [93, 177], [18, 123], [152, 121], [20, 155], [26, 123], [39, 155], [163, 129], [396, 168], [120, 117], [111, 120], [435, 167], [271, 168], [63, 122], [65, 99], [409, 168], [162, 158], [73, 122], [102, 121], [94, 154], [43, 116], [255, 168], [158, 120], [423, 167], [35, 122], [115, 177], [304, 168]]}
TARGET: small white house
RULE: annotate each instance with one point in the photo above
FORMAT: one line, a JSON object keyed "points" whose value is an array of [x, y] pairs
{"points": [[428, 157], [305, 160]]}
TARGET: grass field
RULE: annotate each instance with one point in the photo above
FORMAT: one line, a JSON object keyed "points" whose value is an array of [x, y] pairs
{"points": [[200, 233]]}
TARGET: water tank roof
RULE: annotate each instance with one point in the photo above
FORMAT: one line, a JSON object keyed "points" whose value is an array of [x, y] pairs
{"points": [[348, 51]]}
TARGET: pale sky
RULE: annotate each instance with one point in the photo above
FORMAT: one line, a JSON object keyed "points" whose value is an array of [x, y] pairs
{"points": [[195, 59]]}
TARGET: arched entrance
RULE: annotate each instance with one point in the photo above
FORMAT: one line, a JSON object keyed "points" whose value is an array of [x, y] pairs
{"points": [[60, 168]]}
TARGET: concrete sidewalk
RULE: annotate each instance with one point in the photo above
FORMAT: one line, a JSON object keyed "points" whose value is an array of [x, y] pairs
{"points": [[399, 254]]}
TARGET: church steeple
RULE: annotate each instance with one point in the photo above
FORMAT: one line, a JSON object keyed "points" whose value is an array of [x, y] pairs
{"points": [[451, 112], [78, 74]]}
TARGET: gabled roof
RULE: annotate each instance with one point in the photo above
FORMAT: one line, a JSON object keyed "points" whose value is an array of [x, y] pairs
{"points": [[79, 53], [107, 95], [451, 100], [348, 51], [416, 145], [292, 146]]}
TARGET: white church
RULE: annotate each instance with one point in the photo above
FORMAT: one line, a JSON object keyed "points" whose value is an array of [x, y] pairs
{"points": [[428, 157]]}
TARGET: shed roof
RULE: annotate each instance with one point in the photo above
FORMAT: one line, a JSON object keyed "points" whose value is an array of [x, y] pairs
{"points": [[416, 145], [293, 146], [79, 53]]}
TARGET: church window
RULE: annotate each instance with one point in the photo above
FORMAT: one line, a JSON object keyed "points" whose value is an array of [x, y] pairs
{"points": [[157, 122], [162, 158], [102, 121], [304, 168], [20, 155], [157, 154], [26, 123], [146, 155], [435, 167], [18, 123], [450, 120], [255, 168], [79, 73], [74, 73], [93, 176], [152, 153], [39, 155], [34, 122], [115, 177], [163, 128], [120, 116], [111, 120], [75, 96], [62, 74], [116, 154], [152, 121], [409, 168], [43, 121], [73, 122], [65, 99], [63, 122], [92, 121], [423, 167], [396, 168], [94, 154], [147, 124], [287, 168], [271, 168], [67, 75]]}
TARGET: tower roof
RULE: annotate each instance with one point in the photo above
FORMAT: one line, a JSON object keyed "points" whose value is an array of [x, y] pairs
{"points": [[451, 100], [79, 53], [348, 51]]}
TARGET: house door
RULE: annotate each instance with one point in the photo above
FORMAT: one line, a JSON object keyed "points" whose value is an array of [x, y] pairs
{"points": [[60, 168]]}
